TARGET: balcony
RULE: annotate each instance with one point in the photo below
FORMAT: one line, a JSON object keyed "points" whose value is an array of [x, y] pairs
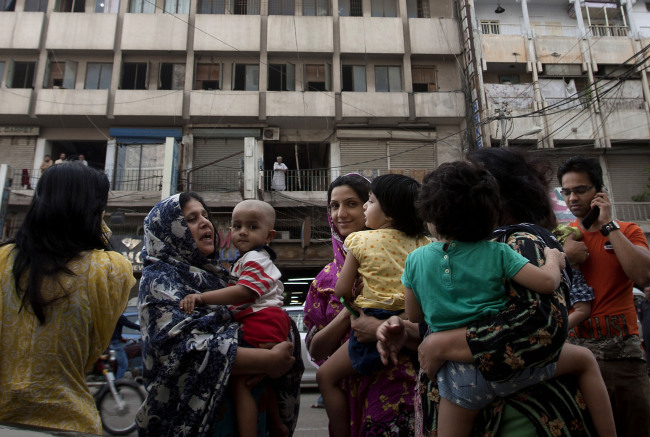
{"points": [[374, 104], [300, 180], [300, 104], [308, 34], [81, 31], [371, 35], [150, 102], [15, 101], [440, 104], [71, 102], [216, 32], [21, 30], [446, 42], [224, 103], [154, 32]]}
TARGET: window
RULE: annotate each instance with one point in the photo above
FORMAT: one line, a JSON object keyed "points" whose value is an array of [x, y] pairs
{"points": [[2, 70], [7, 5], [417, 9], [134, 76], [172, 76], [383, 8], [71, 6], [317, 77], [350, 8], [208, 76], [490, 27], [245, 7], [98, 76], [510, 79], [353, 78], [61, 75], [21, 74], [107, 6], [142, 7], [211, 7], [246, 77], [424, 78], [388, 79], [319, 8], [282, 77], [137, 165], [35, 5], [177, 6], [281, 7]]}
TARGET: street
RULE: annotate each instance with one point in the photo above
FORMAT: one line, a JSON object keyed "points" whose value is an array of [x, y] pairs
{"points": [[312, 422]]}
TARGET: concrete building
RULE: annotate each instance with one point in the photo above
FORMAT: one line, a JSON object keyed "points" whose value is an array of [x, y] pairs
{"points": [[171, 95], [565, 77]]}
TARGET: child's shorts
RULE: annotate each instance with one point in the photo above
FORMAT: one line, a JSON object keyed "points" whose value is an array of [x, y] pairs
{"points": [[464, 385], [365, 356]]}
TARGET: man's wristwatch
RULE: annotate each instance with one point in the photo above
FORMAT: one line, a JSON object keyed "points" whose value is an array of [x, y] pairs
{"points": [[609, 227]]}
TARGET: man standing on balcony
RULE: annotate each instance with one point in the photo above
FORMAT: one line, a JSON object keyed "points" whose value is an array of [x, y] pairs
{"points": [[278, 183], [613, 255]]}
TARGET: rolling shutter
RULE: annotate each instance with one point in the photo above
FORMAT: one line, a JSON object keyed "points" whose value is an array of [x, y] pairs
{"points": [[365, 156], [215, 167]]}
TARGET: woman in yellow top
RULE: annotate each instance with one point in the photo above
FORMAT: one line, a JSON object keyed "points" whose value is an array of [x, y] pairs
{"points": [[62, 294]]}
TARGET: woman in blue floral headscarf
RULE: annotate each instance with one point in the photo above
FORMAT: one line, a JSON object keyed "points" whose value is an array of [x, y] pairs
{"points": [[189, 358]]}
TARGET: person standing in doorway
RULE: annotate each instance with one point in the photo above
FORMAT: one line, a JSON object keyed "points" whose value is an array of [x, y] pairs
{"points": [[61, 158], [82, 160], [614, 256], [279, 183]]}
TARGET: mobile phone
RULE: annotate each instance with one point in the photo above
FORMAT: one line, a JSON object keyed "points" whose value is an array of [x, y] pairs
{"points": [[591, 217], [354, 312]]}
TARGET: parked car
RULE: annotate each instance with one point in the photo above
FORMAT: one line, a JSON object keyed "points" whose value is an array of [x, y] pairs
{"points": [[297, 313]]}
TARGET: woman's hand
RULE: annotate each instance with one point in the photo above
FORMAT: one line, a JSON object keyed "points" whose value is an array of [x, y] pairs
{"points": [[365, 328], [281, 359], [391, 338]]}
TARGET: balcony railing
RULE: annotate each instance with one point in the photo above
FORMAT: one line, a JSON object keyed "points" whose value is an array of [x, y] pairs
{"points": [[632, 211], [603, 30], [300, 180], [210, 179], [555, 30], [137, 180]]}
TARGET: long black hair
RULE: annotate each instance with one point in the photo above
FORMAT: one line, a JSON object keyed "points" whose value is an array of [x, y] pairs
{"points": [[523, 185], [63, 220]]}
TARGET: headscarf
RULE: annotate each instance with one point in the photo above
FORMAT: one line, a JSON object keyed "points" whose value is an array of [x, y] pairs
{"points": [[321, 304], [187, 358]]}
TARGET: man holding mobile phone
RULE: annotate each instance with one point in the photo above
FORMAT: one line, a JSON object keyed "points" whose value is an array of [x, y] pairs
{"points": [[613, 256]]}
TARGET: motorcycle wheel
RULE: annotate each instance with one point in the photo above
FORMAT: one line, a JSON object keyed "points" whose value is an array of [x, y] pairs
{"points": [[120, 421]]}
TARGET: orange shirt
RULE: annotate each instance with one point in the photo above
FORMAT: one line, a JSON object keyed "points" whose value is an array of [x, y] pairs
{"points": [[612, 311]]}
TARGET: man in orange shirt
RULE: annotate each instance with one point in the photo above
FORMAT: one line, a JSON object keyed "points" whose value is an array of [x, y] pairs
{"points": [[614, 256]]}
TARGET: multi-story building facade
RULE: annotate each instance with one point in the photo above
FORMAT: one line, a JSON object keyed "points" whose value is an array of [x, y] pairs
{"points": [[565, 77], [167, 95]]}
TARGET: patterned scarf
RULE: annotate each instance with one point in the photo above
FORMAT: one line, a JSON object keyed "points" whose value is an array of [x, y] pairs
{"points": [[187, 358]]}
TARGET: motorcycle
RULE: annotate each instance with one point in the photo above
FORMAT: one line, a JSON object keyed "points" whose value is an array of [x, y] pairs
{"points": [[117, 400]]}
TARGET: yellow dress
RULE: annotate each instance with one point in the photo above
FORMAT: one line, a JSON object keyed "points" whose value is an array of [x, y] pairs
{"points": [[43, 367]]}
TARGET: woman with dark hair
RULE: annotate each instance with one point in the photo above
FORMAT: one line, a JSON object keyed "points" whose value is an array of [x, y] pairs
{"points": [[529, 333], [188, 358], [380, 404], [63, 293]]}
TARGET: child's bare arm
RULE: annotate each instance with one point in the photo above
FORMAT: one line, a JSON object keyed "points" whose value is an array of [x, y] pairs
{"points": [[581, 311], [347, 278], [543, 279], [412, 307], [224, 296]]}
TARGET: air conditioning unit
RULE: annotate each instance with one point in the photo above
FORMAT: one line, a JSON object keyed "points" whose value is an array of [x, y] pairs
{"points": [[271, 133]]}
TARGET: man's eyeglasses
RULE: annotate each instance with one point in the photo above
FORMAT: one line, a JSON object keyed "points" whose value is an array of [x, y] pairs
{"points": [[578, 191]]}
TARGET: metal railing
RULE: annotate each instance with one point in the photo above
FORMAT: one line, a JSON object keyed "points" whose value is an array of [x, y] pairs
{"points": [[137, 180], [603, 30], [498, 28], [299, 180], [632, 211], [209, 179]]}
